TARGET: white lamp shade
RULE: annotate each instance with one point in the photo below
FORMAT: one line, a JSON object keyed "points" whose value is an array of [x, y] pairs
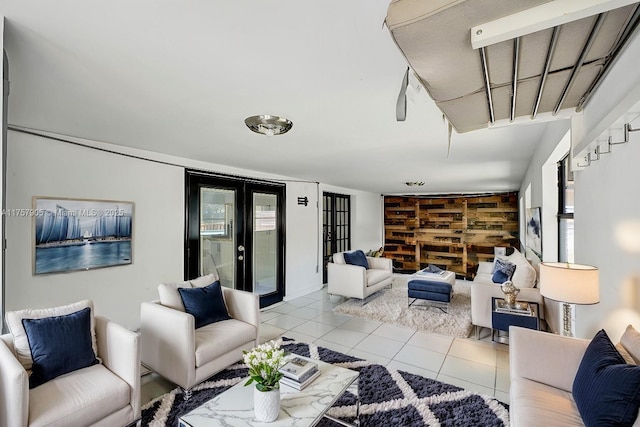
{"points": [[571, 283]]}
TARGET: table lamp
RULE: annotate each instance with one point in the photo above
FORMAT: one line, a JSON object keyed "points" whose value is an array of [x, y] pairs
{"points": [[569, 284]]}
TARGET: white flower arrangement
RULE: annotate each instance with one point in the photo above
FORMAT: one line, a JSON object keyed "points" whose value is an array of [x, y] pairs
{"points": [[264, 363]]}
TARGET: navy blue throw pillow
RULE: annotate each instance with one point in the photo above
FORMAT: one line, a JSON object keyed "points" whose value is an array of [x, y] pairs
{"points": [[59, 345], [205, 304], [606, 389], [502, 271], [356, 258]]}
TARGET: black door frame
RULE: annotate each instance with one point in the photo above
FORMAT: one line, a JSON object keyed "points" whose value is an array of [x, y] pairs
{"points": [[243, 228], [330, 235]]}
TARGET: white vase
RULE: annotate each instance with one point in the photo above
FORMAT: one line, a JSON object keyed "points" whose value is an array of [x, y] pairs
{"points": [[266, 404]]}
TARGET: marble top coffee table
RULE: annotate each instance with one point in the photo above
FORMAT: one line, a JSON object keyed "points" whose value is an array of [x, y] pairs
{"points": [[303, 408]]}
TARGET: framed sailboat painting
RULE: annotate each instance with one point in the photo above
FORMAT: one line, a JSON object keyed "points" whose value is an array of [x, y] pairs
{"points": [[81, 234]]}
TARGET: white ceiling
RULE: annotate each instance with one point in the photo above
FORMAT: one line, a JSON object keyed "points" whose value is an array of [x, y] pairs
{"points": [[180, 77]]}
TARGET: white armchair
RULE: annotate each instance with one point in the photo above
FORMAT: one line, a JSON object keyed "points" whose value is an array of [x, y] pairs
{"points": [[175, 349], [106, 394], [354, 281]]}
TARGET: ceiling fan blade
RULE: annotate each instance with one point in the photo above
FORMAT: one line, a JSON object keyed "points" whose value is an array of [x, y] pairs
{"points": [[401, 104]]}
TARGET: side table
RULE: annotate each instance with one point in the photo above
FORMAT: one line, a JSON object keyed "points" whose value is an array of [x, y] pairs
{"points": [[501, 320]]}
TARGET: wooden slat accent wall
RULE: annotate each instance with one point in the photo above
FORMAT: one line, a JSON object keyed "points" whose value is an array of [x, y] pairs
{"points": [[453, 232]]}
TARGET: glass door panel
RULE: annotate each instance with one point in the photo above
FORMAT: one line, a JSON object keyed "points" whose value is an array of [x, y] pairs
{"points": [[217, 234], [265, 243]]}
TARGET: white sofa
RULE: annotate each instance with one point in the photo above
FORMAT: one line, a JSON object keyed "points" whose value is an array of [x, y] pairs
{"points": [[542, 369], [106, 394], [172, 346], [354, 281], [483, 288]]}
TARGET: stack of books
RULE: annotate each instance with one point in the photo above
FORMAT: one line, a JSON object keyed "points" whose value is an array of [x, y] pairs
{"points": [[299, 373], [518, 308]]}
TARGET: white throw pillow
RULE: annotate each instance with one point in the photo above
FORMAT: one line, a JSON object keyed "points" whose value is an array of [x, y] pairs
{"points": [[20, 340], [169, 295], [525, 274], [202, 281], [630, 340]]}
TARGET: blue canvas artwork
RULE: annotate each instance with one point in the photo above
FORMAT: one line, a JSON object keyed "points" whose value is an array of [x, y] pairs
{"points": [[78, 234], [534, 231]]}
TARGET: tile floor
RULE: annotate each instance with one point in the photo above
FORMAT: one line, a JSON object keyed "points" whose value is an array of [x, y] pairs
{"points": [[477, 365]]}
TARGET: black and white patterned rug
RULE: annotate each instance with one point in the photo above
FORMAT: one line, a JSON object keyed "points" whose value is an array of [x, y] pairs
{"points": [[387, 397]]}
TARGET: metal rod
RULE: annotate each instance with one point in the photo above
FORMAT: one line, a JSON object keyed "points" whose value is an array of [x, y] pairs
{"points": [[545, 72], [626, 139], [603, 152], [487, 84], [578, 65], [514, 82], [629, 29]]}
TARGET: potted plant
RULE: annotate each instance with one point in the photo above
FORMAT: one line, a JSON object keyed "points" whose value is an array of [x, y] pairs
{"points": [[264, 363]]}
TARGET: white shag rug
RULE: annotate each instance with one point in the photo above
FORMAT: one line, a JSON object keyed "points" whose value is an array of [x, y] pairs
{"points": [[390, 306]]}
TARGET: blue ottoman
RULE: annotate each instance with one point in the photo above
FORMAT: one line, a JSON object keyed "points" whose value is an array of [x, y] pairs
{"points": [[438, 292]]}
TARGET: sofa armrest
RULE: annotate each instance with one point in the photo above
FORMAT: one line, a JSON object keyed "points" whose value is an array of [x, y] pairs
{"points": [[380, 263], [545, 358], [346, 280], [14, 390], [485, 267], [167, 342], [119, 349], [243, 306]]}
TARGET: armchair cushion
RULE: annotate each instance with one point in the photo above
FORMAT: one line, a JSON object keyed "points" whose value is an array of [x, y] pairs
{"points": [[206, 304], [606, 389], [376, 276], [82, 397], [217, 339], [356, 258], [20, 340], [59, 345]]}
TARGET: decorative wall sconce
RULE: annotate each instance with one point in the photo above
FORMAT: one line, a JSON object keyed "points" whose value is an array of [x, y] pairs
{"points": [[303, 200]]}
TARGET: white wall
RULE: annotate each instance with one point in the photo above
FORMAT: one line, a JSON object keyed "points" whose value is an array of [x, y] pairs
{"points": [[304, 273], [367, 221], [2, 170], [542, 174], [304, 244], [539, 189], [607, 199], [42, 167]]}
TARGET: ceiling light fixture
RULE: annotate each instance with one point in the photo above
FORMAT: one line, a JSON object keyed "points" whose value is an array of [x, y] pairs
{"points": [[415, 183], [268, 125]]}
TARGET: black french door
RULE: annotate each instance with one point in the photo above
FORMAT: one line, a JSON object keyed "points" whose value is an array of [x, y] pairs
{"points": [[336, 226], [235, 228]]}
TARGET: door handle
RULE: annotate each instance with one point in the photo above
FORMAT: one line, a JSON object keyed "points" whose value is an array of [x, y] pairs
{"points": [[240, 248], [240, 257]]}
